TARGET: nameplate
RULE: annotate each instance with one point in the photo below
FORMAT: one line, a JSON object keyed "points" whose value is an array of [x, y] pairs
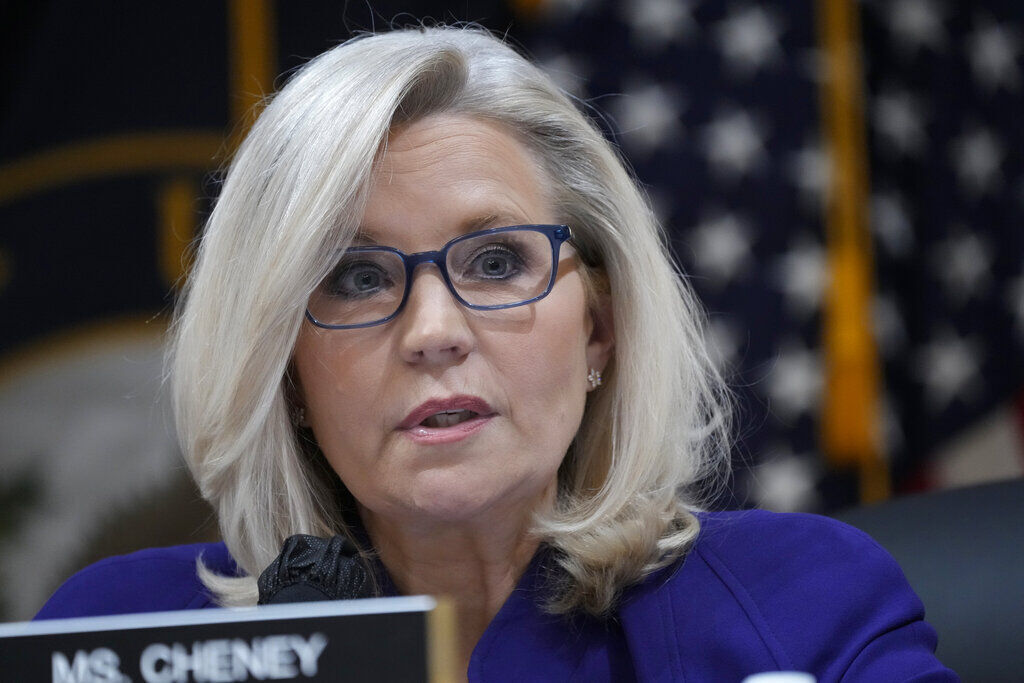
{"points": [[378, 639]]}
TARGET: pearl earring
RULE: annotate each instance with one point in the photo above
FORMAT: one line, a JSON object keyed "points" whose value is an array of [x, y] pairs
{"points": [[594, 377], [299, 416]]}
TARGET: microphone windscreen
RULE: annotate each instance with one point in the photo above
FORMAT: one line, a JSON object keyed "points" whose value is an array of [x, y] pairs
{"points": [[313, 568]]}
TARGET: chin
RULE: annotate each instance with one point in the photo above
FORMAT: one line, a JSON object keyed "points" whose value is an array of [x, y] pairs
{"points": [[452, 497]]}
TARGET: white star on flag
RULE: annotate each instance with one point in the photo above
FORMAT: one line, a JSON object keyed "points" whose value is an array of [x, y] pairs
{"points": [[962, 263], [810, 169], [648, 114], [890, 331], [654, 23], [916, 24], [899, 119], [721, 247], [734, 144], [749, 39], [784, 482], [890, 221], [800, 273], [568, 72], [795, 380], [947, 366], [977, 156], [992, 50], [723, 338]]}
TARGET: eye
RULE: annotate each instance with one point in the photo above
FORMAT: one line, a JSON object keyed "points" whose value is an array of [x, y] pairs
{"points": [[494, 262], [358, 280]]}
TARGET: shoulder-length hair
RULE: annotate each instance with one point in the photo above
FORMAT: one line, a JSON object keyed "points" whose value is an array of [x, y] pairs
{"points": [[294, 196]]}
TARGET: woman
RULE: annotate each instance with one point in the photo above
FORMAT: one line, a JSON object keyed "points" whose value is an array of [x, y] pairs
{"points": [[432, 312]]}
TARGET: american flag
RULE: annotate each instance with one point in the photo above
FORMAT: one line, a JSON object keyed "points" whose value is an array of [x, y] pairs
{"points": [[717, 106]]}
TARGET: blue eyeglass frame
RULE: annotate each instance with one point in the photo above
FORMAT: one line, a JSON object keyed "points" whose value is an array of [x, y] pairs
{"points": [[556, 234]]}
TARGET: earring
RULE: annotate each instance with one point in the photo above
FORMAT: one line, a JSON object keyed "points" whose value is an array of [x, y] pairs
{"points": [[594, 377], [299, 416]]}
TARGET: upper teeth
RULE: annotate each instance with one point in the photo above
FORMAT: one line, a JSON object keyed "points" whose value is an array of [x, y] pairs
{"points": [[448, 418]]}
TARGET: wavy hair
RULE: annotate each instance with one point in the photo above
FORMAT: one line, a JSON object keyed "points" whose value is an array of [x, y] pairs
{"points": [[649, 440]]}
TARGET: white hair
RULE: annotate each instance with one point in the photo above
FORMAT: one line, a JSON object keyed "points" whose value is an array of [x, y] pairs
{"points": [[650, 438]]}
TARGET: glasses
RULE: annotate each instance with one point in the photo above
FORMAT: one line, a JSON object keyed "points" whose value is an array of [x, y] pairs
{"points": [[485, 270]]}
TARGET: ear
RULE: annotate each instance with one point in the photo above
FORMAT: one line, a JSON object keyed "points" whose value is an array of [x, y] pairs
{"points": [[602, 334]]}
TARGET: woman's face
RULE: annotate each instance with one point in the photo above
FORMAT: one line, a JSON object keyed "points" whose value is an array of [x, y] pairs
{"points": [[523, 370]]}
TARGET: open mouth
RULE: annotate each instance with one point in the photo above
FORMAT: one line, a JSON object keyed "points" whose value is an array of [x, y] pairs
{"points": [[448, 418]]}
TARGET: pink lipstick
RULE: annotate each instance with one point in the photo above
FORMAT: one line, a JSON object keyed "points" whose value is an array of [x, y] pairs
{"points": [[446, 420]]}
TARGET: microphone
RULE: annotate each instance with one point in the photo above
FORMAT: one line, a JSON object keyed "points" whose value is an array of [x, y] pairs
{"points": [[311, 568]]}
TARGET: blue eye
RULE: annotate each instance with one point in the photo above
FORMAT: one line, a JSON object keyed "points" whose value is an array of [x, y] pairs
{"points": [[358, 280], [495, 262]]}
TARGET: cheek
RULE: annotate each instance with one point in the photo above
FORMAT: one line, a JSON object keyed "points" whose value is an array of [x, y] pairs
{"points": [[545, 370], [340, 378]]}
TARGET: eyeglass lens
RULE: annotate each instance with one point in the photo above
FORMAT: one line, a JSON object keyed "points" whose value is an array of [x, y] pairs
{"points": [[492, 269]]}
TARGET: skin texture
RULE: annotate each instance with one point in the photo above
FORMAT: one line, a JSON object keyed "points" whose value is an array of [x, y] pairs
{"points": [[453, 518]]}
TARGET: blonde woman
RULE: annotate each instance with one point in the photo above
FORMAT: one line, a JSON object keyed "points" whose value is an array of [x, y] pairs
{"points": [[433, 315]]}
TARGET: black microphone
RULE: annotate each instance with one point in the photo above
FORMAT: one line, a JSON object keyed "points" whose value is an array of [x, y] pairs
{"points": [[312, 568]]}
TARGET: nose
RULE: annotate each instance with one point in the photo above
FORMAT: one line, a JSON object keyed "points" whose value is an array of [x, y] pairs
{"points": [[434, 327]]}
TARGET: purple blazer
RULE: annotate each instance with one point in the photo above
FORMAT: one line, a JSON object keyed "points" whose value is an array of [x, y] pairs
{"points": [[759, 592]]}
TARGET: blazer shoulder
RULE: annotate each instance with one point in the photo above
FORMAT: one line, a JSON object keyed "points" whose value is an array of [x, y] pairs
{"points": [[150, 580], [799, 592]]}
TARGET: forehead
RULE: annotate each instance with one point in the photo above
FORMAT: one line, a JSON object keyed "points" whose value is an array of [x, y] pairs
{"points": [[448, 174]]}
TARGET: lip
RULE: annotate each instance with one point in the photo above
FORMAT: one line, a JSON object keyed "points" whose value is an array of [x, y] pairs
{"points": [[411, 424], [438, 405]]}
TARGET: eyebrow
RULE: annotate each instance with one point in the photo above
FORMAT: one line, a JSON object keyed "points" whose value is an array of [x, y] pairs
{"points": [[363, 238], [366, 237], [492, 220]]}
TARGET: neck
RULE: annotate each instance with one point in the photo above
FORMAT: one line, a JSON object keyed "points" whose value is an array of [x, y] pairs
{"points": [[475, 565]]}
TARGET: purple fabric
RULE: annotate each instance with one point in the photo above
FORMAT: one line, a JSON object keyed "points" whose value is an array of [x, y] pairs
{"points": [[154, 580], [759, 592]]}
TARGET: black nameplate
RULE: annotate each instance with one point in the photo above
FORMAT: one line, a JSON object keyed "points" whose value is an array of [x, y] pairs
{"points": [[380, 639]]}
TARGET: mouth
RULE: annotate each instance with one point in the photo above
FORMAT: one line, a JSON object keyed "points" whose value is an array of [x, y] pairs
{"points": [[445, 413], [448, 418]]}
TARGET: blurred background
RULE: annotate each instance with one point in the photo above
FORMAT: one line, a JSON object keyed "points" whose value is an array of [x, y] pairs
{"points": [[842, 183]]}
